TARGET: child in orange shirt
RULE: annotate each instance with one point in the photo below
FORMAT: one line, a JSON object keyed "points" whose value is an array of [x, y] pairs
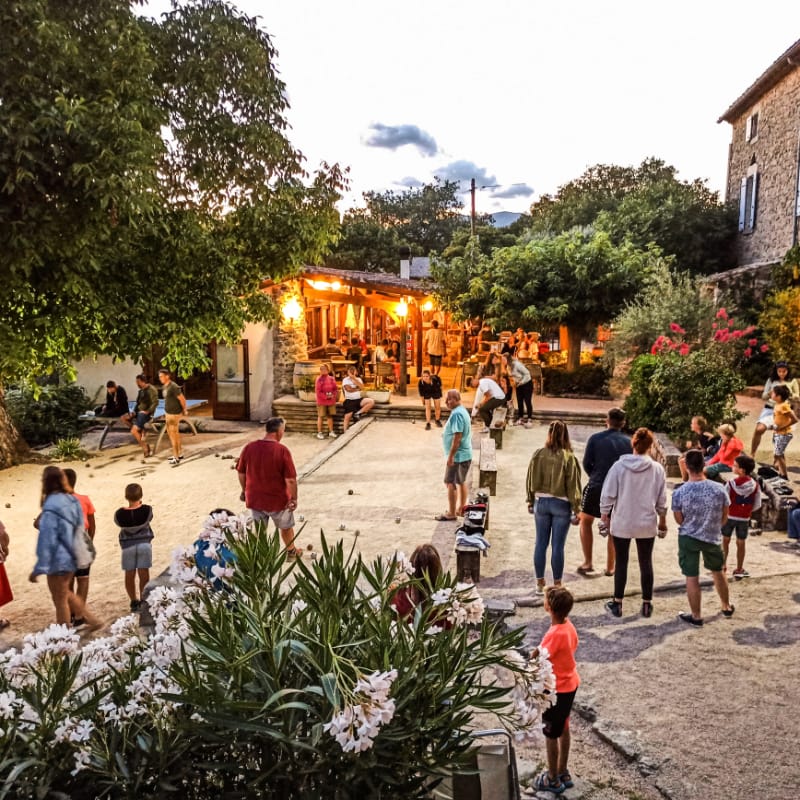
{"points": [[561, 641], [784, 418]]}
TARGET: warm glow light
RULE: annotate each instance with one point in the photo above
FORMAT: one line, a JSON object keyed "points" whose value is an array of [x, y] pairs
{"points": [[402, 308], [336, 286], [291, 310], [427, 305]]}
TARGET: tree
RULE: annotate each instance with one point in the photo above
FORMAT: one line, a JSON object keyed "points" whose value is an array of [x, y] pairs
{"points": [[577, 279], [487, 238], [149, 186], [778, 323], [452, 281], [645, 204], [423, 219]]}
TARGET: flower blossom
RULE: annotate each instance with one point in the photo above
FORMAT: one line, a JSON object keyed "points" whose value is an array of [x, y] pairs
{"points": [[763, 348], [675, 328]]}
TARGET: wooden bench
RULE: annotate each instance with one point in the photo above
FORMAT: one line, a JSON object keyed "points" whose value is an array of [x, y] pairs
{"points": [[487, 466], [498, 425]]}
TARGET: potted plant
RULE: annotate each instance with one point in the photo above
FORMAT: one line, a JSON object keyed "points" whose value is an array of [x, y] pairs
{"points": [[305, 388], [380, 394]]}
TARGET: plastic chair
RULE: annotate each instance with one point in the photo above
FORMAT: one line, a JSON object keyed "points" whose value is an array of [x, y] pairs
{"points": [[468, 372], [383, 370]]}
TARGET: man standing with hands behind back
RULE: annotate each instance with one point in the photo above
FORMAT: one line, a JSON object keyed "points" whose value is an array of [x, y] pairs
{"points": [[269, 482], [174, 409]]}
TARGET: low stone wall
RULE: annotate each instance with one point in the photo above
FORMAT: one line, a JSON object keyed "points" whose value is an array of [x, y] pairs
{"points": [[667, 454]]}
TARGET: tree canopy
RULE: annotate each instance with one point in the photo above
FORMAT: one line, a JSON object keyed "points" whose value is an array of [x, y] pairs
{"points": [[647, 205], [148, 183]]}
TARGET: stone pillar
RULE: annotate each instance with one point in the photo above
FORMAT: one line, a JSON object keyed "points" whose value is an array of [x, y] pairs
{"points": [[290, 343]]}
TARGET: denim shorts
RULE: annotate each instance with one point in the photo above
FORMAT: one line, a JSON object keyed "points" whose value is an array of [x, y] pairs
{"points": [[739, 526], [137, 556]]}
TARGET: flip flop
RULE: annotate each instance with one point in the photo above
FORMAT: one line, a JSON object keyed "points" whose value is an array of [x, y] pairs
{"points": [[445, 518], [585, 570]]}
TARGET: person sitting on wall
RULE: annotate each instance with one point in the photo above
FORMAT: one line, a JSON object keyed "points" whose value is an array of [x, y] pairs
{"points": [[116, 404]]}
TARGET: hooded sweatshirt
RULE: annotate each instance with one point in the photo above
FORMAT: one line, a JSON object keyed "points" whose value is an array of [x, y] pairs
{"points": [[134, 525], [635, 489], [745, 496]]}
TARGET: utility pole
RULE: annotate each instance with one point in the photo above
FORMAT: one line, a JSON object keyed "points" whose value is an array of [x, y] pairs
{"points": [[472, 214]]}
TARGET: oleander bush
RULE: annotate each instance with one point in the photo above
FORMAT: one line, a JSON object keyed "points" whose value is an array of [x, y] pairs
{"points": [[265, 678]]}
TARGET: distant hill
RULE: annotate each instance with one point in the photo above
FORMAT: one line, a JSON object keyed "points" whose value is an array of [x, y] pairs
{"points": [[504, 218]]}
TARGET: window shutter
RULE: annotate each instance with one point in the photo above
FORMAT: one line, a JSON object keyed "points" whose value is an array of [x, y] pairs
{"points": [[742, 203], [748, 128], [751, 223]]}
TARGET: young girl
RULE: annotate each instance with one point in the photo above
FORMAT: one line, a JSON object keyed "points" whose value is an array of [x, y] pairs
{"points": [[781, 375], [783, 419], [722, 460]]}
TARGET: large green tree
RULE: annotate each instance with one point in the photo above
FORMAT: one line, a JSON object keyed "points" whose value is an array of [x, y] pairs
{"points": [[148, 182], [647, 204], [579, 279], [424, 219]]}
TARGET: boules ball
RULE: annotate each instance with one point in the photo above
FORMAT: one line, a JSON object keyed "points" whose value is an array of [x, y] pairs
{"points": [[398, 520], [350, 491]]}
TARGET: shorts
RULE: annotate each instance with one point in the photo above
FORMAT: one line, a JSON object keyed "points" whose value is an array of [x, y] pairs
{"points": [[172, 422], [141, 419], [555, 718], [283, 519], [351, 406], [767, 416], [590, 500], [740, 526], [689, 550], [457, 474], [137, 556], [714, 470], [436, 361], [82, 573], [326, 411], [780, 441]]}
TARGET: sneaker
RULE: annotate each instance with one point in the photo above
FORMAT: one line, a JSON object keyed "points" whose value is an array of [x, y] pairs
{"points": [[614, 607], [331, 435], [738, 574], [135, 605], [357, 416], [687, 617], [174, 461], [540, 589], [427, 426], [78, 622], [320, 436], [438, 423]]}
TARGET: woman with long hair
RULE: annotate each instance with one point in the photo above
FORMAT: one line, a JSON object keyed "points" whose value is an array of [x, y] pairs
{"points": [[635, 490], [55, 558], [427, 569], [492, 366], [554, 498]]}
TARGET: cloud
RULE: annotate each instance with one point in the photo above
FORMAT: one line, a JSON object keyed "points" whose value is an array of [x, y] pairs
{"points": [[409, 182], [513, 190], [394, 136], [464, 171]]}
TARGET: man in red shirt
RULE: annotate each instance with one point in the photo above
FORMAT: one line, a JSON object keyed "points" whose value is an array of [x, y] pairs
{"points": [[269, 482]]}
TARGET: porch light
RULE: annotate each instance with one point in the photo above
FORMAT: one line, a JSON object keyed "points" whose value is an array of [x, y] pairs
{"points": [[291, 310], [402, 308], [336, 286], [427, 305]]}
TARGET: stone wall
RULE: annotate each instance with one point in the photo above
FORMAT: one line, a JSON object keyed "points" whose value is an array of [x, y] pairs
{"points": [[775, 153], [290, 343]]}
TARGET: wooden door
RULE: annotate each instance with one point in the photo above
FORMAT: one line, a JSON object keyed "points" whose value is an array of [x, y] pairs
{"points": [[231, 381]]}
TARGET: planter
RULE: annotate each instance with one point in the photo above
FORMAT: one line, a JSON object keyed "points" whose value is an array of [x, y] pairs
{"points": [[378, 395], [306, 397]]}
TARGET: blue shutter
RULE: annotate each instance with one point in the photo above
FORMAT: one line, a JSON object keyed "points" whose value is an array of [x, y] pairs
{"points": [[742, 203]]}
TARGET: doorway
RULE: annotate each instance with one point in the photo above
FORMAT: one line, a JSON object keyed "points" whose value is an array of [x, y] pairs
{"points": [[231, 381]]}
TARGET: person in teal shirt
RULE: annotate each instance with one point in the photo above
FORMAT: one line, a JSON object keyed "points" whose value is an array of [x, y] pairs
{"points": [[457, 440]]}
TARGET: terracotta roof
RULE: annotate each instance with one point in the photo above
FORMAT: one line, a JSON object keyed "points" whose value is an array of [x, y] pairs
{"points": [[378, 281], [785, 64]]}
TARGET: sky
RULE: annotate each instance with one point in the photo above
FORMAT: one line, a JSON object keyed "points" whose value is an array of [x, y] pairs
{"points": [[521, 95]]}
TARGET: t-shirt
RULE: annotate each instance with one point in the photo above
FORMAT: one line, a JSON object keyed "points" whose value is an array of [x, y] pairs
{"points": [[434, 342], [561, 642], [487, 386], [432, 390], [171, 394], [702, 504], [783, 417], [602, 451], [458, 422], [86, 505], [267, 465]]}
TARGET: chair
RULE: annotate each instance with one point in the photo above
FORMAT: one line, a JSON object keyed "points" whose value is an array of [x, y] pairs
{"points": [[468, 372], [536, 375], [383, 370]]}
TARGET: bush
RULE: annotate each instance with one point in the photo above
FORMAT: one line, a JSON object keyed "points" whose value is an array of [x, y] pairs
{"points": [[591, 379], [291, 679], [47, 414], [667, 390]]}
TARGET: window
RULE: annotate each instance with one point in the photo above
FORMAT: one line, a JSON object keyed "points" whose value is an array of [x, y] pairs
{"points": [[751, 128], [748, 200]]}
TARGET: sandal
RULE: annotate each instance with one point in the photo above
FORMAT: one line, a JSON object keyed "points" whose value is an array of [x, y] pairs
{"points": [[585, 570], [294, 552], [147, 451], [544, 783], [566, 779], [445, 518], [4, 623]]}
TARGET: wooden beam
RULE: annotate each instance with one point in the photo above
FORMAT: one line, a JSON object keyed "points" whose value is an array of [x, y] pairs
{"points": [[368, 301]]}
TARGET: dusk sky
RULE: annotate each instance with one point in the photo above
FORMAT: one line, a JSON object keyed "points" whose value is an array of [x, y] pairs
{"points": [[522, 96]]}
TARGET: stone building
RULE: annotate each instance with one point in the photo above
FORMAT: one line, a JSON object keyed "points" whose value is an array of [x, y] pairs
{"points": [[764, 168]]}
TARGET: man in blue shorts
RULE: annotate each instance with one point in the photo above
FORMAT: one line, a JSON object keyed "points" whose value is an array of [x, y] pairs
{"points": [[700, 508], [457, 439]]}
